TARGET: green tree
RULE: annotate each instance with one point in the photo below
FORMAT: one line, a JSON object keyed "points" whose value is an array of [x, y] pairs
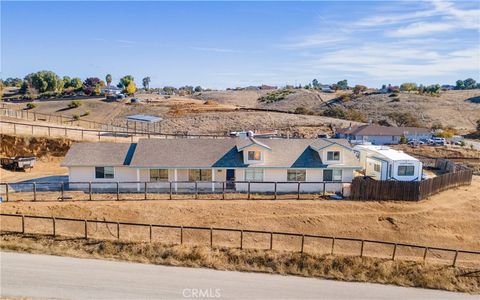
{"points": [[125, 81], [108, 79], [198, 89], [469, 83], [315, 83], [459, 85], [76, 84], [66, 82], [146, 82], [433, 89], [45, 81], [342, 85]]}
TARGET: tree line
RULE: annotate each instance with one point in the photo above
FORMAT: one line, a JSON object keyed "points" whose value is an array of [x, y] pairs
{"points": [[49, 84]]}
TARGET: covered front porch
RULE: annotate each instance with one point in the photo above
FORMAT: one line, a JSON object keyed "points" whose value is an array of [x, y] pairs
{"points": [[182, 179]]}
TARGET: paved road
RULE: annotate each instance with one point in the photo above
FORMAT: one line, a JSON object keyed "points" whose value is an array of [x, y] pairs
{"points": [[43, 276]]}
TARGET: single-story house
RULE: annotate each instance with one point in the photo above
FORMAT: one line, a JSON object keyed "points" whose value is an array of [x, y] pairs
{"points": [[384, 163], [382, 135], [210, 162]]}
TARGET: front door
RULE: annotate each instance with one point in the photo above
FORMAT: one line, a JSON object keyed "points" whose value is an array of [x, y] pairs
{"points": [[230, 178]]}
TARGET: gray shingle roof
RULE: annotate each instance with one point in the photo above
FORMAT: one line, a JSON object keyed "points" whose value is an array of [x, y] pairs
{"points": [[199, 153], [99, 154]]}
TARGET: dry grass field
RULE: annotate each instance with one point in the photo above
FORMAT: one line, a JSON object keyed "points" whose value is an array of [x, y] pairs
{"points": [[449, 219]]}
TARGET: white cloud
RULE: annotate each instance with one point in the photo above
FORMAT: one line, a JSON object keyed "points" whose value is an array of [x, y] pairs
{"points": [[421, 28]]}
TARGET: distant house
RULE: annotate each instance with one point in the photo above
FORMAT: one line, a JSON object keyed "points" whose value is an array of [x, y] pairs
{"points": [[326, 88], [209, 162], [383, 163], [382, 135]]}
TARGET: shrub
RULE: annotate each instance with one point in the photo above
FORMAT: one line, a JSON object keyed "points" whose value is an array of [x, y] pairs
{"points": [[76, 117], [349, 114], [303, 111], [74, 104], [31, 105], [85, 114], [462, 143], [275, 96], [403, 140]]}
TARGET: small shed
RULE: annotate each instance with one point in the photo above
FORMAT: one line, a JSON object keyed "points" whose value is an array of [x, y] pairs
{"points": [[144, 123]]}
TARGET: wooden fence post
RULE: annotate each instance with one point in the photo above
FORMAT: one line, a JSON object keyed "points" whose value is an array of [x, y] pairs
{"points": [[271, 240], [298, 191], [82, 134], [6, 191], [118, 230], [145, 192], [151, 233], [241, 239], [54, 226], [455, 258], [65, 131], [333, 245], [361, 248], [248, 195], [425, 254], [196, 190], [14, 128], [170, 191], [275, 191], [118, 191], [181, 235], [86, 229], [90, 190], [394, 252], [324, 186], [32, 129], [62, 190], [48, 130], [34, 191]]}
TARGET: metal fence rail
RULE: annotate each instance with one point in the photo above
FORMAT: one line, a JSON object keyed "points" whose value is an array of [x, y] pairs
{"points": [[301, 247], [148, 190]]}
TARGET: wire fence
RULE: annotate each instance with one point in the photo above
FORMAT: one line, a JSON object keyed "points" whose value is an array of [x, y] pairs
{"points": [[234, 238], [170, 190]]}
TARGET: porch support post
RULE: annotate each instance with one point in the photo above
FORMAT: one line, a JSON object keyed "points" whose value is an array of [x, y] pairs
{"points": [[175, 178], [213, 180], [138, 180]]}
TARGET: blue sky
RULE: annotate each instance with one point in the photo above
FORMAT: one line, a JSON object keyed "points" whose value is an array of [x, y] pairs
{"points": [[229, 44]]}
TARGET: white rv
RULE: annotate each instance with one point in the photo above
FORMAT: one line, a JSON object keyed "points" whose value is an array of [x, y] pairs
{"points": [[384, 163]]}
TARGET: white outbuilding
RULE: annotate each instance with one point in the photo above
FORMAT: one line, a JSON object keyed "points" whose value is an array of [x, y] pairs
{"points": [[384, 163]]}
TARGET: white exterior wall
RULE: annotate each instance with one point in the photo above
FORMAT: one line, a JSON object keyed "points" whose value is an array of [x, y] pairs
{"points": [[280, 175], [417, 175]]}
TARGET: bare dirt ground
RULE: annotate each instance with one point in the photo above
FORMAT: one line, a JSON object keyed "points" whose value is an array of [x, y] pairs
{"points": [[44, 167], [449, 219]]}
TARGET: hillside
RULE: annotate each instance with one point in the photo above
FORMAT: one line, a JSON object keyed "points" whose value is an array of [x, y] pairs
{"points": [[459, 109]]}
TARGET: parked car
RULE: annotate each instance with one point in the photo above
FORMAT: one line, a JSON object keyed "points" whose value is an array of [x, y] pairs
{"points": [[437, 141], [414, 142]]}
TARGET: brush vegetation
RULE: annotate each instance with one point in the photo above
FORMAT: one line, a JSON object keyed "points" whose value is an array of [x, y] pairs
{"points": [[366, 269]]}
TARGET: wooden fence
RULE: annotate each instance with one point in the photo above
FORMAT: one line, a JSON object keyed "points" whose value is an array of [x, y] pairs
{"points": [[171, 190], [305, 241], [82, 134], [366, 188]]}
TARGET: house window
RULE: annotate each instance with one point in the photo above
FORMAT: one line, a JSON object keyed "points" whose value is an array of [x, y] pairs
{"points": [[104, 172], [296, 175], [254, 155], [254, 175], [406, 170], [332, 175], [333, 155], [376, 167], [200, 175], [158, 175]]}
